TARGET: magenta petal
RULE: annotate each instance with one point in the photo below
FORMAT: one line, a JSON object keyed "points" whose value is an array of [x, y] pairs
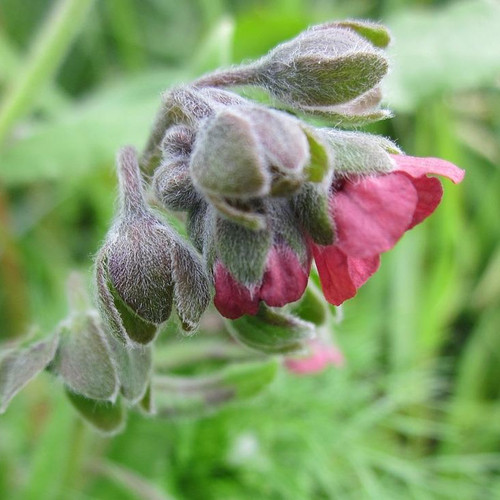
{"points": [[340, 275], [232, 299], [371, 214], [285, 278], [418, 167], [430, 192], [361, 269]]}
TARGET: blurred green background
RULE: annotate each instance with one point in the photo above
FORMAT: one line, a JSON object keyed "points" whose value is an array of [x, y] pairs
{"points": [[415, 413]]}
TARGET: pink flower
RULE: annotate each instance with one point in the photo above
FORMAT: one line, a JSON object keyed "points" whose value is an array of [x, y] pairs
{"points": [[284, 281], [371, 214], [320, 356]]}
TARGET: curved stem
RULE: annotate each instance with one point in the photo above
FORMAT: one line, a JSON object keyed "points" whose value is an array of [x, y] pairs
{"points": [[241, 75]]}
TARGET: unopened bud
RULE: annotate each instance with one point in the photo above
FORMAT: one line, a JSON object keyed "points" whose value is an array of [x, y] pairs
{"points": [[177, 142], [173, 186], [245, 152], [84, 359], [135, 269], [323, 66]]}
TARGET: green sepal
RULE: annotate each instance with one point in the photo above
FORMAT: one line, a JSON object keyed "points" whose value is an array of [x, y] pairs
{"points": [[359, 153], [312, 306], [22, 362], [242, 251], [84, 360], [134, 367], [271, 331], [106, 417], [375, 33], [320, 162], [310, 206]]}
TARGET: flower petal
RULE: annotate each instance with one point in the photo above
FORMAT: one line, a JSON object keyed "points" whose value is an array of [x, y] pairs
{"points": [[320, 356], [418, 167], [285, 278], [340, 275], [232, 299], [430, 192], [372, 213]]}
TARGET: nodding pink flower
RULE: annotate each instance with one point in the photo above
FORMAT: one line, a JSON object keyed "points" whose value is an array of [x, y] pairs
{"points": [[371, 214], [284, 281], [320, 356]]}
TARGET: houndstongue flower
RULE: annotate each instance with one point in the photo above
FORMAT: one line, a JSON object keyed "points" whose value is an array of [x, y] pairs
{"points": [[370, 214], [249, 266], [144, 267]]}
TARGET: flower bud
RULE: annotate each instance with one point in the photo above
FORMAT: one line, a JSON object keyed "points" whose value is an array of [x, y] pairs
{"points": [[84, 359], [139, 263], [177, 142], [173, 186], [250, 267], [323, 66], [246, 152]]}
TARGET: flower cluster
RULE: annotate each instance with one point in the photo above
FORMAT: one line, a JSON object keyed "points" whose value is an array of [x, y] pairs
{"points": [[266, 193]]}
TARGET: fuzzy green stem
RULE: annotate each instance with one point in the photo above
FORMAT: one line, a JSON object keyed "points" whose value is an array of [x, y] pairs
{"points": [[232, 77]]}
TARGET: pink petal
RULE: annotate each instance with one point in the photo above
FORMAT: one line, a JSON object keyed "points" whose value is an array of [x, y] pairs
{"points": [[340, 275], [285, 278], [232, 299], [371, 214], [418, 167], [430, 192], [321, 355]]}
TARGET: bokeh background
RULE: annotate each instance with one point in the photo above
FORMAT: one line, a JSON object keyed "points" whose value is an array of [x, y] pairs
{"points": [[414, 413]]}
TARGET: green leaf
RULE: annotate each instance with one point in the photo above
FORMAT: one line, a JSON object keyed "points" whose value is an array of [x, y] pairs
{"points": [[19, 365], [88, 134], [108, 418]]}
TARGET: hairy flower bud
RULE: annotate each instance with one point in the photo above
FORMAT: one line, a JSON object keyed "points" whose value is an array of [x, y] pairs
{"points": [[177, 142], [253, 266], [144, 266], [84, 359], [173, 186], [248, 152], [324, 66]]}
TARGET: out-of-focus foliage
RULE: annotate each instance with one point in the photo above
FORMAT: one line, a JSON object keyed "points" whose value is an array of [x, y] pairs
{"points": [[416, 411]]}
